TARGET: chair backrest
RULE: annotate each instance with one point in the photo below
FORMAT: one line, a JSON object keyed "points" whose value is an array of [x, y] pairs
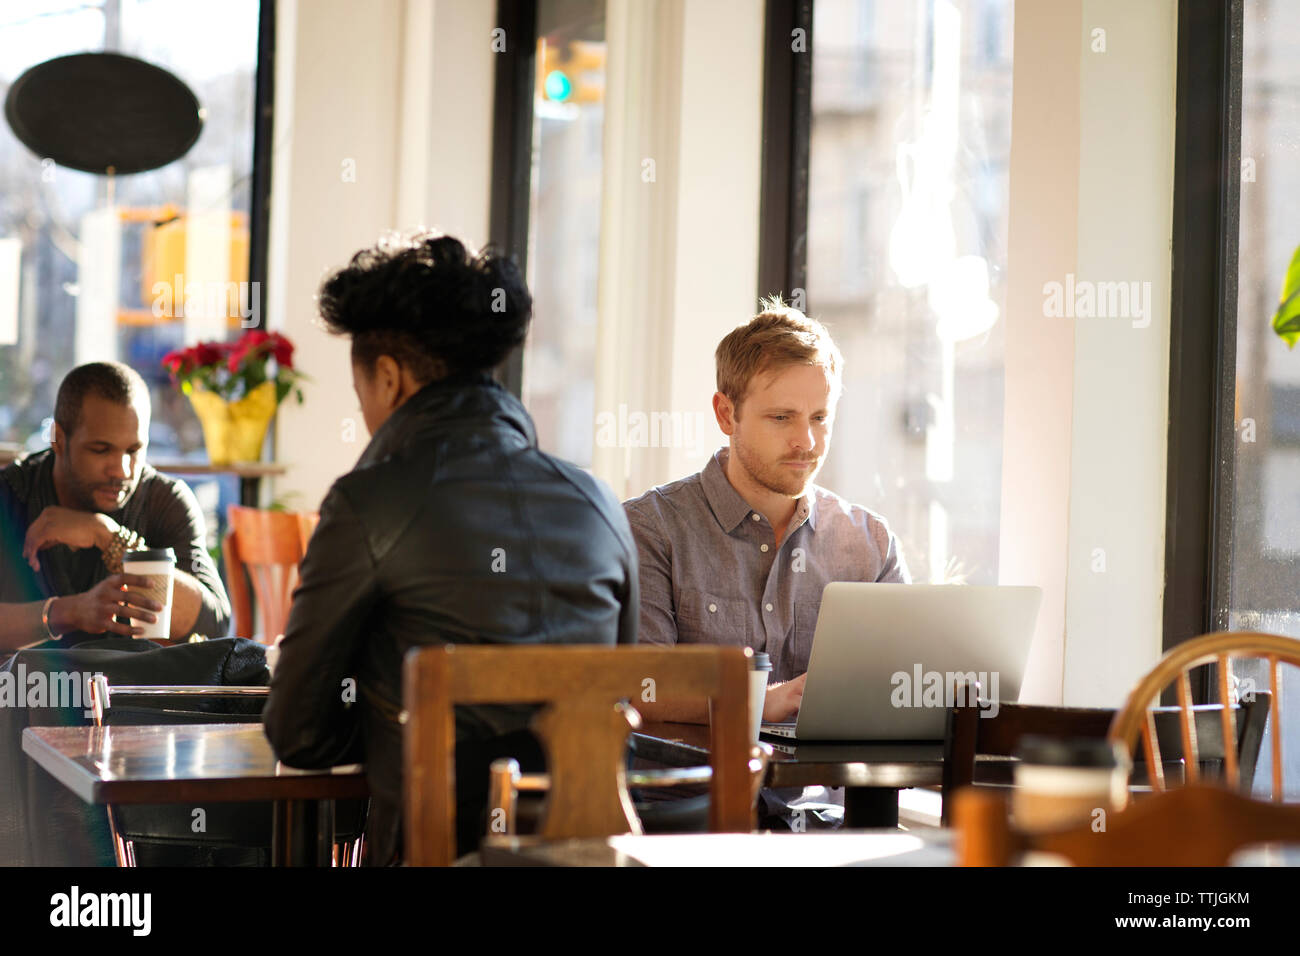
{"points": [[1221, 648], [583, 728], [267, 546], [978, 730], [1195, 825]]}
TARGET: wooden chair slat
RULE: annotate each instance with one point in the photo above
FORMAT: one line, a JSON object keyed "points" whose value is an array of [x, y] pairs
{"points": [[1192, 768], [583, 740], [731, 809], [429, 765], [1230, 768], [1275, 688], [1151, 746], [241, 602], [691, 672], [264, 548]]}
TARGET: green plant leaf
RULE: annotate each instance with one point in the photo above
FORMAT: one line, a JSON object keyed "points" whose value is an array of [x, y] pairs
{"points": [[1286, 320]]}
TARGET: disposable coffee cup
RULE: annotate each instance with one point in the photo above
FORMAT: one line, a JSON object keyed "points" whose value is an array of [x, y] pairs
{"points": [[1063, 783], [760, 671], [158, 565]]}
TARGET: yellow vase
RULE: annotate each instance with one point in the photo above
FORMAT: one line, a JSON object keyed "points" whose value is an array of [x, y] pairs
{"points": [[234, 431]]}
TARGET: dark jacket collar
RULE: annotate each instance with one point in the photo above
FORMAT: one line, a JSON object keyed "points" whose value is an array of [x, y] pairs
{"points": [[471, 401]]}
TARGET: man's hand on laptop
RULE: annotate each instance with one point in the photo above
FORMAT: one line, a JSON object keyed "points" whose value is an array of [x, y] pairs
{"points": [[782, 701]]}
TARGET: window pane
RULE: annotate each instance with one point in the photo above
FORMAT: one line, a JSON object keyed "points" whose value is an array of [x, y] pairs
{"points": [[564, 225], [89, 261], [907, 224], [1266, 501]]}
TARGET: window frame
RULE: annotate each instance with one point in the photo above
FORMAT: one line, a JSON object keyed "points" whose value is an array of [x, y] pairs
{"points": [[1203, 326], [259, 237], [1202, 370], [787, 138], [512, 137]]}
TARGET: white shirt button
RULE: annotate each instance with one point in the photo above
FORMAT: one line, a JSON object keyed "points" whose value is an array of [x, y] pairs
{"points": [[754, 516], [769, 607], [712, 608], [762, 547]]}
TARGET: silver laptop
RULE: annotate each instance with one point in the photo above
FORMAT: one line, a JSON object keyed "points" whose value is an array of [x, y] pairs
{"points": [[887, 658]]}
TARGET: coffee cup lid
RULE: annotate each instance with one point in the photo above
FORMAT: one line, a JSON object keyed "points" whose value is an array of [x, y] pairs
{"points": [[150, 554], [760, 662], [1068, 752]]}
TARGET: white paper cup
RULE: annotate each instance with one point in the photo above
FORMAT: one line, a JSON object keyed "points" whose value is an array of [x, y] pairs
{"points": [[158, 565], [1060, 783]]}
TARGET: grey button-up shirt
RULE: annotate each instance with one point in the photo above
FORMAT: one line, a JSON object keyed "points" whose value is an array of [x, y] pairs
{"points": [[712, 572]]}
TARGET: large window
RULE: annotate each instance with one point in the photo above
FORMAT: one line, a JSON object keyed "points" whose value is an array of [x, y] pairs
{"points": [[906, 262], [81, 258], [564, 225], [1265, 563]]}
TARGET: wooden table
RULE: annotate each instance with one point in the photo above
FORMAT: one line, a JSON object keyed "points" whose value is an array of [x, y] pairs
{"points": [[871, 773], [843, 848], [197, 763], [250, 475]]}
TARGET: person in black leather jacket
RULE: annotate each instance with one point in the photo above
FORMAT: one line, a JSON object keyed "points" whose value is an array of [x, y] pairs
{"points": [[452, 528]]}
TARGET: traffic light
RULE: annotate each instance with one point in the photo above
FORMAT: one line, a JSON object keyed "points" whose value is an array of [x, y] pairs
{"points": [[572, 72]]}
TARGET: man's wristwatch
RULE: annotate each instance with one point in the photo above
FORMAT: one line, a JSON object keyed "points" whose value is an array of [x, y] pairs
{"points": [[123, 541]]}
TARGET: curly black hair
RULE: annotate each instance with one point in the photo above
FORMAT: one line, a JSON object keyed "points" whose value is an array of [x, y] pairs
{"points": [[434, 306]]}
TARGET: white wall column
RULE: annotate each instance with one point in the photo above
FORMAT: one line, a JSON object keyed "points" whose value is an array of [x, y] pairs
{"points": [[1039, 355], [679, 220], [1084, 456], [383, 118], [1114, 604]]}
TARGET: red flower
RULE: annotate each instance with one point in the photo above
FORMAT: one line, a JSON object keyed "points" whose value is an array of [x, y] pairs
{"points": [[255, 346], [245, 349], [207, 353], [282, 349], [175, 361]]}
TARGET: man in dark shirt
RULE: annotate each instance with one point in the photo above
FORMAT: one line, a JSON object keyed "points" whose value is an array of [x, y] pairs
{"points": [[68, 514]]}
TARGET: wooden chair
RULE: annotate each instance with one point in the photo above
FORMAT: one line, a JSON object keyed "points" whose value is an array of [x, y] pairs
{"points": [[972, 733], [1138, 714], [583, 728], [266, 548], [1195, 825]]}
